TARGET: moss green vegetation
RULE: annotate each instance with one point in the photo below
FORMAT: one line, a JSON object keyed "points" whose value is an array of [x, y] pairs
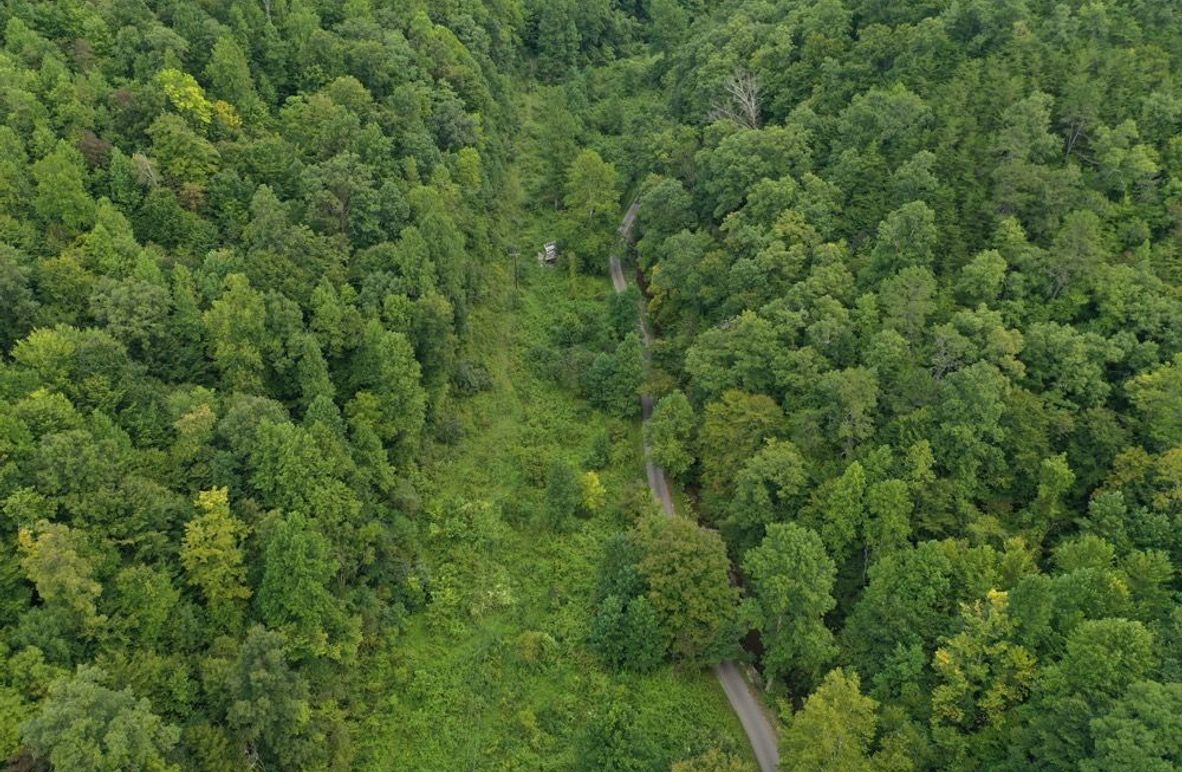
{"points": [[497, 673]]}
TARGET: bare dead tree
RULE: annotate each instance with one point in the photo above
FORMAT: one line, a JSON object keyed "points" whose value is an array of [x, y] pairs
{"points": [[144, 169], [741, 103]]}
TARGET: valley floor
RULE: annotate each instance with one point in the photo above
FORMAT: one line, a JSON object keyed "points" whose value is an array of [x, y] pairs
{"points": [[496, 673]]}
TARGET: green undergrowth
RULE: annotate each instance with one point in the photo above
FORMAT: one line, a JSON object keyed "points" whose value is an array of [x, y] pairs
{"points": [[495, 673]]}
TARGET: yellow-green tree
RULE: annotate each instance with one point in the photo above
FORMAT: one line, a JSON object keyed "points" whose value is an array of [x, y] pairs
{"points": [[212, 556], [834, 729], [981, 673], [53, 559], [186, 95]]}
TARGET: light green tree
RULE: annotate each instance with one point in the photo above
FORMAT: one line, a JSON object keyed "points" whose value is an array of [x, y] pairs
{"points": [[52, 557], [84, 724], [834, 729], [212, 556], [670, 433]]}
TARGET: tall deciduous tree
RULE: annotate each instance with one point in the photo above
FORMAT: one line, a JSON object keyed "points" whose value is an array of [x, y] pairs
{"points": [[833, 730], [767, 490], [61, 198], [386, 379], [1141, 733], [295, 594], [792, 578], [84, 724], [670, 433], [687, 572], [213, 558], [236, 331], [1157, 395], [734, 428], [591, 198], [54, 560], [1103, 658], [982, 673], [267, 701]]}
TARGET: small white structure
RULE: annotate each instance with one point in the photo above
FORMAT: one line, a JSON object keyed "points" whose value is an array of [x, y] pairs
{"points": [[549, 255]]}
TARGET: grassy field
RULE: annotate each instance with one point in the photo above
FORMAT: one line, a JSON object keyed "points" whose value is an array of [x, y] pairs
{"points": [[495, 674]]}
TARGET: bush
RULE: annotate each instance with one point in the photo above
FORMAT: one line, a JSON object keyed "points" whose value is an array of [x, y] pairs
{"points": [[471, 378]]}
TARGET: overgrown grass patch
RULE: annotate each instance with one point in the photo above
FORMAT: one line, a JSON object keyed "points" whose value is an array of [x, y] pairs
{"points": [[496, 673]]}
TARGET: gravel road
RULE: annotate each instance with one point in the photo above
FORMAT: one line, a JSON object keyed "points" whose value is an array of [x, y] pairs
{"points": [[760, 732]]}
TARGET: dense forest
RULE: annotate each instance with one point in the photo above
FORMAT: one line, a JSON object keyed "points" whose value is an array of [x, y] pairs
{"points": [[306, 463], [916, 269]]}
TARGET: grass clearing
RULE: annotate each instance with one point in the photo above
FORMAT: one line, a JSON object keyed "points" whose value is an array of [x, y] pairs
{"points": [[495, 674]]}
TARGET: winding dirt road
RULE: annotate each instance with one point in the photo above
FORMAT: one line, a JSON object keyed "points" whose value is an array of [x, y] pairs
{"points": [[760, 732]]}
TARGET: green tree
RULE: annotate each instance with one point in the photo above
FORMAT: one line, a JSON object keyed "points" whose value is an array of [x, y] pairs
{"points": [[563, 495], [61, 198], [229, 76], [981, 279], [213, 558], [735, 427], [591, 187], [295, 594], [767, 490], [744, 157], [592, 199], [1076, 253], [627, 634], [184, 156], [888, 521], [558, 143], [1103, 658], [614, 380], [84, 724], [906, 238], [16, 296], [235, 327], [592, 493], [909, 601], [833, 730], [851, 399], [791, 577], [1141, 733], [266, 701], [558, 39], [145, 600], [385, 378], [670, 433], [669, 25], [839, 511], [908, 299], [1157, 396], [687, 573]]}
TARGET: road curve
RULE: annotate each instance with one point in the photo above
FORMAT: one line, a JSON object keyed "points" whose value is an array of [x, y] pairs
{"points": [[760, 732]]}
